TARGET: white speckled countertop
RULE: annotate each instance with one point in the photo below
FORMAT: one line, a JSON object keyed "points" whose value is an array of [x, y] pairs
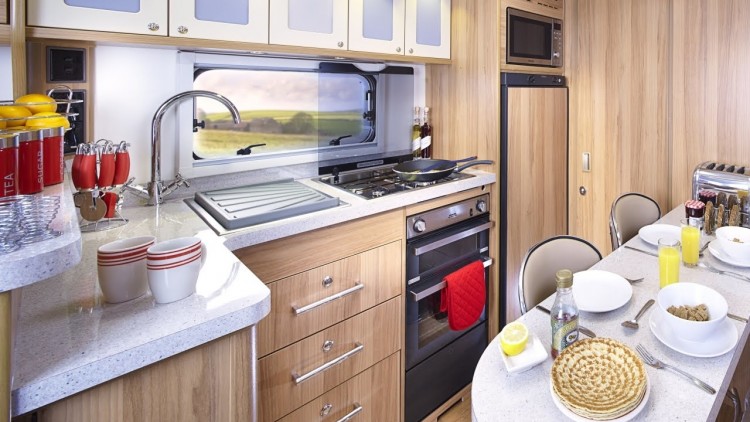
{"points": [[497, 395], [68, 339], [41, 260]]}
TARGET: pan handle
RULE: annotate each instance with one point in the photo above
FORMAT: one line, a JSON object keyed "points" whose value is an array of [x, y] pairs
{"points": [[473, 163]]}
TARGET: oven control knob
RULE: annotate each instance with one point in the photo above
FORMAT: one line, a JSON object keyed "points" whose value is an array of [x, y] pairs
{"points": [[420, 226], [481, 206]]}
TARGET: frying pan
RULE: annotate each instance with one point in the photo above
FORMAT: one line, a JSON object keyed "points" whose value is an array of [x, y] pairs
{"points": [[431, 170]]}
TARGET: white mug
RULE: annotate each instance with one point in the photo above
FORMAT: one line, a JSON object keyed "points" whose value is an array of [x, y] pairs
{"points": [[173, 276], [121, 268]]}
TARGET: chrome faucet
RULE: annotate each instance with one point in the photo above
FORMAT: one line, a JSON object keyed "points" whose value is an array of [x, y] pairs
{"points": [[156, 191]]}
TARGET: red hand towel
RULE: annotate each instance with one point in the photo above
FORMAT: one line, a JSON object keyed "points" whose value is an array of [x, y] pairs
{"points": [[463, 296]]}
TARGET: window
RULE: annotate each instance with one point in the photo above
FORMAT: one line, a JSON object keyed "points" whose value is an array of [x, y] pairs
{"points": [[282, 111]]}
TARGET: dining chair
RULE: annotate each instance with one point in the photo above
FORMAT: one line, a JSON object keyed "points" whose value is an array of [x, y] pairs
{"points": [[536, 280], [630, 212]]}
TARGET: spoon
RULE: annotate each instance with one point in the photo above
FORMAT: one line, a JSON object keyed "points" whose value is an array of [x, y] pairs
{"points": [[633, 323]]}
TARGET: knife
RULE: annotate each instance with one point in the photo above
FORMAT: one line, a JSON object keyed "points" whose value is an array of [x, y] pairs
{"points": [[582, 329], [641, 251]]}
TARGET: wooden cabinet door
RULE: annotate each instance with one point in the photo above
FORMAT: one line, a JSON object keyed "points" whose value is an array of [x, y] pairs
{"points": [[309, 23], [297, 374], [209, 383], [3, 11], [378, 271], [377, 26], [372, 395], [428, 28], [130, 16], [228, 20], [537, 147]]}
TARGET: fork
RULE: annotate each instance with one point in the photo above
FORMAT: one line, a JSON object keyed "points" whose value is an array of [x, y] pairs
{"points": [[656, 363], [713, 269]]}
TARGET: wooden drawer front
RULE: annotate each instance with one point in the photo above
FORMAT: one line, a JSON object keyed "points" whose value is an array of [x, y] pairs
{"points": [[377, 330], [374, 392], [378, 270]]}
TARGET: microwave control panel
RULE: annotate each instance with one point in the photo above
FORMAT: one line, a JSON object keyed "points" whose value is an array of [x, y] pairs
{"points": [[552, 4]]}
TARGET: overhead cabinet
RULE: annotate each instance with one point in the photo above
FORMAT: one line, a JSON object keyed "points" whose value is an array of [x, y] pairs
{"points": [[402, 27], [229, 20]]}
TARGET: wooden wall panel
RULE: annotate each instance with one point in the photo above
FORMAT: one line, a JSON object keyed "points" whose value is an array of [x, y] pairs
{"points": [[711, 87], [465, 101], [3, 11], [618, 73]]}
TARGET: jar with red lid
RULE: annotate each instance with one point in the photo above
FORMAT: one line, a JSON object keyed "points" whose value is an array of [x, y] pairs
{"points": [[694, 210], [30, 162], [54, 154], [9, 164]]}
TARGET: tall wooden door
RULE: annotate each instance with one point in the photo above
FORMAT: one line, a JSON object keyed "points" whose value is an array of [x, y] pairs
{"points": [[535, 153]]}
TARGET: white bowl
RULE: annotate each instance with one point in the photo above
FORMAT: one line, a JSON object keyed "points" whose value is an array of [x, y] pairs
{"points": [[735, 241], [121, 282], [176, 282], [692, 294], [123, 246]]}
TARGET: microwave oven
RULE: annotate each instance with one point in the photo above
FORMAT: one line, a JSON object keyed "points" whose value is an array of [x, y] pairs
{"points": [[533, 39]]}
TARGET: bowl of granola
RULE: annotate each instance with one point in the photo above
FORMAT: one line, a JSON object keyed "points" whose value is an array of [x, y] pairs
{"points": [[691, 311]]}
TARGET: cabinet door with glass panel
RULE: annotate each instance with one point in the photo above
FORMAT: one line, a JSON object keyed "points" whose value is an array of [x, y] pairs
{"points": [[228, 20], [129, 16], [428, 28], [309, 23], [377, 26]]}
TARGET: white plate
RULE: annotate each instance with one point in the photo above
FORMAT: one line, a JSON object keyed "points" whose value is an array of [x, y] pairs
{"points": [[626, 417], [721, 342], [652, 233], [717, 251], [600, 291], [534, 354]]}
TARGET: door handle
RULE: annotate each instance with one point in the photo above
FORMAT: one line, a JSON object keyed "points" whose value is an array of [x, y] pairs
{"points": [[582, 190]]}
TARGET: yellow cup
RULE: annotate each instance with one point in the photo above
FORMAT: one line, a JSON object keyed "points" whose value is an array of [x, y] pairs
{"points": [[690, 240], [669, 261]]}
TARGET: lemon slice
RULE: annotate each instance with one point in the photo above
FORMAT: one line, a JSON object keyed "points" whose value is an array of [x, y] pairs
{"points": [[513, 338]]}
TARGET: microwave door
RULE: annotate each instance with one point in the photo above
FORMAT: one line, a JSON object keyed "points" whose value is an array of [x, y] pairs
{"points": [[529, 41]]}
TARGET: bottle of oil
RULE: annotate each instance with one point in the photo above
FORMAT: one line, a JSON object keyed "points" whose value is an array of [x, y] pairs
{"points": [[564, 314], [426, 134], [416, 135]]}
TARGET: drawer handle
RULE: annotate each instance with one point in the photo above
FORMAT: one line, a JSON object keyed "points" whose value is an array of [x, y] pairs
{"points": [[339, 295], [353, 413], [301, 378]]}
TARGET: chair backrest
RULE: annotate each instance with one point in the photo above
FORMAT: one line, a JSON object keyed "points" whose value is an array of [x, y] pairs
{"points": [[630, 212], [536, 280]]}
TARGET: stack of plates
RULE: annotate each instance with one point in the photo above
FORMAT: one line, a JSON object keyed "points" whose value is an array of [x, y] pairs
{"points": [[599, 379]]}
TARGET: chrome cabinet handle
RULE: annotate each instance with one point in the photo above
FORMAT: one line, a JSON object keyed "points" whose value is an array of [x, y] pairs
{"points": [[302, 378], [182, 29], [450, 239], [357, 286], [357, 409], [153, 26]]}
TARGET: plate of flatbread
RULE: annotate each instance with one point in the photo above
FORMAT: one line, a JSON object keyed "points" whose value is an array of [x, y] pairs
{"points": [[599, 379]]}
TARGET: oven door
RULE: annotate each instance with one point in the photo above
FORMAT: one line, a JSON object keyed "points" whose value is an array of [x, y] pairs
{"points": [[427, 329]]}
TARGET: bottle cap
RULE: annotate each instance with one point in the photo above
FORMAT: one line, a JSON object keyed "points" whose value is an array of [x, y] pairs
{"points": [[564, 278]]}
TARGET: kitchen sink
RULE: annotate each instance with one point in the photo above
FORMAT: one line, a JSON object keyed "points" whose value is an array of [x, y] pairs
{"points": [[248, 205]]}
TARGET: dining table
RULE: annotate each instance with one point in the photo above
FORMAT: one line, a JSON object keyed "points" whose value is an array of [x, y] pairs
{"points": [[498, 395]]}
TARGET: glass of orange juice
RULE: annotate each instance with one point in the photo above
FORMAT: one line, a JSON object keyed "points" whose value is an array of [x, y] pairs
{"points": [[669, 261], [690, 240]]}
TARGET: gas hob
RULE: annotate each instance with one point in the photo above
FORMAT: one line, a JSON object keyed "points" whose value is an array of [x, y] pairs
{"points": [[382, 181]]}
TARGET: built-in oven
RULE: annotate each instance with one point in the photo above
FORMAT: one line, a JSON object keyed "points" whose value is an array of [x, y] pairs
{"points": [[439, 360]]}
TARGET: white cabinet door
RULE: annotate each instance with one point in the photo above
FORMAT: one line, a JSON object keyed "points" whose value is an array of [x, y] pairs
{"points": [[130, 16], [428, 28], [377, 26], [229, 20], [309, 23]]}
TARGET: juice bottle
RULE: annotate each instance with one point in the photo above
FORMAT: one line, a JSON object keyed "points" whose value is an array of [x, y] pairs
{"points": [[669, 261], [564, 314]]}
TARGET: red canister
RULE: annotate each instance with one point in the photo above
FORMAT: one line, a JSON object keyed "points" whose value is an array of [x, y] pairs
{"points": [[8, 163], [54, 154], [30, 162]]}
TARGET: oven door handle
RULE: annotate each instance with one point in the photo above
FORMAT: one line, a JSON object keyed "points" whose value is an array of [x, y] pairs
{"points": [[450, 239], [416, 296]]}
